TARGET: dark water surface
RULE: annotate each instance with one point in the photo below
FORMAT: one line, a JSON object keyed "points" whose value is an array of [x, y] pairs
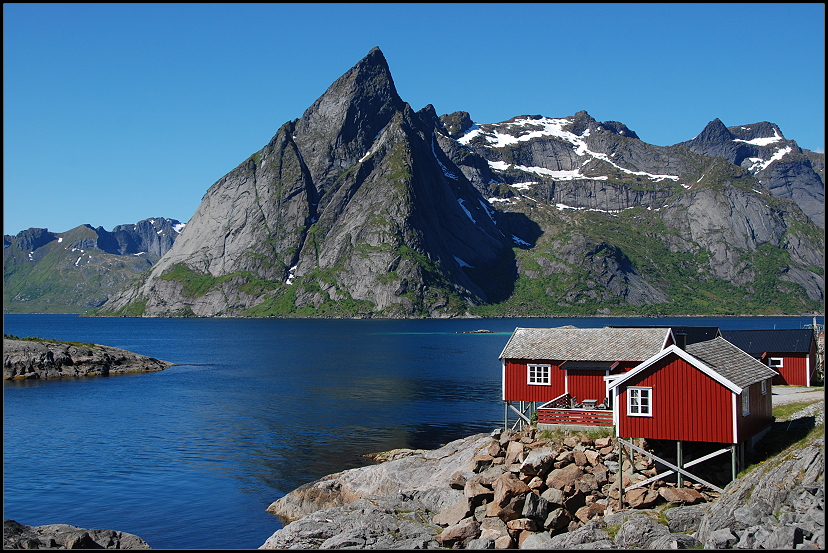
{"points": [[191, 457]]}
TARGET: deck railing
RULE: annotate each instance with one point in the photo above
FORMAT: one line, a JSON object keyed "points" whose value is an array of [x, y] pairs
{"points": [[591, 417]]}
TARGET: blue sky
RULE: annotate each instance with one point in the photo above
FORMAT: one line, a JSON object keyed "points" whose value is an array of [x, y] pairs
{"points": [[118, 113]]}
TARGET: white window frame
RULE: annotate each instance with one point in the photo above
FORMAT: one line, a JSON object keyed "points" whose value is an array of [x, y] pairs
{"points": [[746, 402], [764, 387], [776, 362], [640, 392], [538, 375]]}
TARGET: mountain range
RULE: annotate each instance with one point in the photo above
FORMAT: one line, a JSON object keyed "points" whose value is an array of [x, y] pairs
{"points": [[364, 207], [77, 270]]}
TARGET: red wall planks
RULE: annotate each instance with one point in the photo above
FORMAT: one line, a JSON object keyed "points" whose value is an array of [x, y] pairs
{"points": [[687, 405]]}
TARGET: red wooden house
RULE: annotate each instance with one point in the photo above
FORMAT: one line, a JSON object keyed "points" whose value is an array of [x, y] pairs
{"points": [[711, 391], [790, 352], [567, 369]]}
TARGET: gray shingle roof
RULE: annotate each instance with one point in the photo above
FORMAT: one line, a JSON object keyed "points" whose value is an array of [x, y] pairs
{"points": [[739, 367], [585, 344]]}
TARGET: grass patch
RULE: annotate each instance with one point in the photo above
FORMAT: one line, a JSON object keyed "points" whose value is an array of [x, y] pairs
{"points": [[87, 345], [784, 412], [784, 436]]}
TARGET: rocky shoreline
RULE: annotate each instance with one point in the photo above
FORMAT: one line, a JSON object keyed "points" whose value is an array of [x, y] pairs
{"points": [[29, 359], [65, 536], [523, 490]]}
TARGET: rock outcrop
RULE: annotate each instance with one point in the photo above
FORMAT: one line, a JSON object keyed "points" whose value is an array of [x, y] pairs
{"points": [[65, 536], [513, 490], [28, 359]]}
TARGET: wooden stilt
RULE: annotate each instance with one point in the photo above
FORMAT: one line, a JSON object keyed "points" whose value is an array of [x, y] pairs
{"points": [[733, 462], [620, 474], [679, 464]]}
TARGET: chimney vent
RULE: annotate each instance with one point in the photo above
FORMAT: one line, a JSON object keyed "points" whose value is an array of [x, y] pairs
{"points": [[681, 340]]}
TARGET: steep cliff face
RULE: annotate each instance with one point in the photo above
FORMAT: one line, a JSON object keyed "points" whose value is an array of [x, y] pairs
{"points": [[364, 207], [347, 208]]}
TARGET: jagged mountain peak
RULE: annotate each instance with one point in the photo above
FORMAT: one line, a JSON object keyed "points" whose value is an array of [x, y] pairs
{"points": [[715, 131], [347, 118]]}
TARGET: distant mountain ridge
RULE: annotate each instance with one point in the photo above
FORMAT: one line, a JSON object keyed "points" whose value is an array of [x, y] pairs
{"points": [[363, 207], [77, 270]]}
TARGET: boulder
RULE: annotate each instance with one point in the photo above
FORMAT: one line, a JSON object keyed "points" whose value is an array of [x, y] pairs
{"points": [[590, 532], [514, 453], [462, 532], [453, 514], [506, 487], [684, 519], [723, 538], [639, 531], [684, 496], [564, 478]]}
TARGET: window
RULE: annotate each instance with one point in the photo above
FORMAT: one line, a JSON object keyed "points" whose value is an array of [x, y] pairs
{"points": [[764, 387], [538, 374], [746, 402], [640, 402], [775, 361]]}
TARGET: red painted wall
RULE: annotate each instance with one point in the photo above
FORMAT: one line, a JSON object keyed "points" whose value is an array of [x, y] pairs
{"points": [[761, 411], [517, 388], [687, 405], [794, 369], [582, 384], [587, 385]]}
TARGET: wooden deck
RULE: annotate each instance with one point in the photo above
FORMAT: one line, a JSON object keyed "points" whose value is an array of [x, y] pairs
{"points": [[561, 410], [588, 417]]}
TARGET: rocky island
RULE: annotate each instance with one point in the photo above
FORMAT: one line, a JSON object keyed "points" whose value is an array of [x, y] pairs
{"points": [[66, 536], [31, 358], [525, 490]]}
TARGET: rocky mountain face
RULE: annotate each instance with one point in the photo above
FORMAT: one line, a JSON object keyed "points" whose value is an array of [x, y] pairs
{"points": [[780, 165], [364, 207], [74, 271]]}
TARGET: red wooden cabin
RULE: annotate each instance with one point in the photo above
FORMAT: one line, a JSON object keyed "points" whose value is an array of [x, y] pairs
{"points": [[567, 369], [711, 391], [790, 352]]}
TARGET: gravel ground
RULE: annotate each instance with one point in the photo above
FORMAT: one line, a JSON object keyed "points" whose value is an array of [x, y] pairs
{"points": [[795, 394]]}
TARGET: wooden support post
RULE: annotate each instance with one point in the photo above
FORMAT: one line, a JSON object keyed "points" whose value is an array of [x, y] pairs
{"points": [[620, 474], [679, 464], [733, 462], [505, 415], [520, 408]]}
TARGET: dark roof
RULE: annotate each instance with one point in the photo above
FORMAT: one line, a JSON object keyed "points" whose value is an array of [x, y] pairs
{"points": [[588, 365], [694, 333], [585, 344], [731, 362], [757, 342]]}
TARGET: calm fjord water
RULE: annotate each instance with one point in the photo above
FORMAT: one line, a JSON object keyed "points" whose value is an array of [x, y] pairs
{"points": [[191, 457]]}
